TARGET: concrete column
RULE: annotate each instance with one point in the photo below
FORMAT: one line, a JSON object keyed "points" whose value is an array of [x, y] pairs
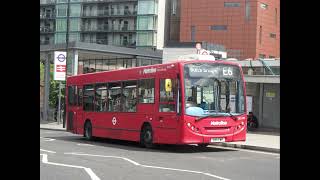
{"points": [[75, 62], [46, 87], [261, 104]]}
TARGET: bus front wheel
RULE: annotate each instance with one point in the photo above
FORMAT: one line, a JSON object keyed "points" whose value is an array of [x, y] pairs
{"points": [[88, 131], [203, 145], [147, 136]]}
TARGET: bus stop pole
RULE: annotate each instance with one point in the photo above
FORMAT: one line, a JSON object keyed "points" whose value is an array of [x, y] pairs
{"points": [[59, 105]]}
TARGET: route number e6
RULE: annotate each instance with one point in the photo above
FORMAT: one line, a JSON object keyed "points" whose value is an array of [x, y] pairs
{"points": [[227, 71]]}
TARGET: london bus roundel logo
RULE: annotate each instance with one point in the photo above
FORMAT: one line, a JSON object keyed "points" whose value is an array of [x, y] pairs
{"points": [[114, 120], [61, 57]]}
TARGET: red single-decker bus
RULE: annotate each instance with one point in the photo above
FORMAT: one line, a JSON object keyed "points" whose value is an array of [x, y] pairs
{"points": [[184, 102]]}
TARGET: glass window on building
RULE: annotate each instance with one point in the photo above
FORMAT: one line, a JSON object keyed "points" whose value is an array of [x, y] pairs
{"points": [[86, 66], [105, 66], [146, 91], [112, 64], [193, 33], [74, 24], [127, 63], [232, 4], [60, 38], [92, 66], [114, 96], [145, 23], [61, 25], [61, 10], [80, 67], [247, 9], [262, 56], [173, 7], [273, 35], [120, 64], [74, 37], [134, 62], [99, 65], [219, 27], [264, 6], [144, 38], [62, 1], [147, 7], [144, 62], [130, 96], [75, 10]]}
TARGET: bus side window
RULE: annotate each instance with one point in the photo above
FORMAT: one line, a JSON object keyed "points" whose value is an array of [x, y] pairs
{"points": [[88, 97], [114, 96], [130, 96], [80, 96], [101, 98], [168, 88], [71, 96], [146, 91]]}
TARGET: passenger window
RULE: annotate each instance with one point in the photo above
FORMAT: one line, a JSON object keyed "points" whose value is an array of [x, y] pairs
{"points": [[168, 88], [80, 93], [71, 96], [130, 96], [101, 98], [146, 91], [114, 96], [88, 98]]}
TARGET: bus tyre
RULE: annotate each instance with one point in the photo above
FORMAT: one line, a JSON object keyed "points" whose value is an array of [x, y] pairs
{"points": [[147, 137], [203, 145], [88, 131]]}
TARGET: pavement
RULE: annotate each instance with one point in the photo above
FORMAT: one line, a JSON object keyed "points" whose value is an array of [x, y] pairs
{"points": [[64, 155], [267, 140]]}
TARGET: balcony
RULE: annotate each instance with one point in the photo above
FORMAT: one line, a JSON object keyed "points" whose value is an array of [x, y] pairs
{"points": [[47, 16], [109, 14], [46, 29], [104, 28]]}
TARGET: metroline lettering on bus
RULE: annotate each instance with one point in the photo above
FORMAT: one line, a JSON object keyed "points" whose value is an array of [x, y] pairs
{"points": [[181, 102]]}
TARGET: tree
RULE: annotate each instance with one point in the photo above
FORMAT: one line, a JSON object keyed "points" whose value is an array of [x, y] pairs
{"points": [[54, 86]]}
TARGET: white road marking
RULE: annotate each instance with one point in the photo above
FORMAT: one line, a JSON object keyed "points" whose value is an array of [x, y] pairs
{"points": [[47, 151], [147, 166], [92, 175], [81, 144], [47, 139], [247, 150]]}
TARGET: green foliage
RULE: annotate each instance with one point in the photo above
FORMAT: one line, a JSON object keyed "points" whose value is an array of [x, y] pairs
{"points": [[54, 86], [41, 72], [54, 93]]}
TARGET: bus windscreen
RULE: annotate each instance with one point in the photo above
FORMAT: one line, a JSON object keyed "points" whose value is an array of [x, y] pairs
{"points": [[213, 89]]}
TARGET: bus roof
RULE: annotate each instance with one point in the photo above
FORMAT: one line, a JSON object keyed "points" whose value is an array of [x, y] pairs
{"points": [[173, 62]]}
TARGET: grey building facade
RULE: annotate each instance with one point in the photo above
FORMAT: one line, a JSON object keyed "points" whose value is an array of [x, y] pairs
{"points": [[125, 23]]}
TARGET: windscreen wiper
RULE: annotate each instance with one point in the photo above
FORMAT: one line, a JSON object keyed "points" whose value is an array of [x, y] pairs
{"points": [[232, 116], [204, 117]]}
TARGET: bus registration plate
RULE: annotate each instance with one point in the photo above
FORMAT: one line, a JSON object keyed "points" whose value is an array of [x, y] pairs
{"points": [[217, 140]]}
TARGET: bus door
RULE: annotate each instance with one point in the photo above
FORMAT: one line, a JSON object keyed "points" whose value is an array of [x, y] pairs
{"points": [[167, 119], [78, 111]]}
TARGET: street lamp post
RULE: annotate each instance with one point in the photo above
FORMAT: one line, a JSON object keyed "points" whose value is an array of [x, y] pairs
{"points": [[67, 54]]}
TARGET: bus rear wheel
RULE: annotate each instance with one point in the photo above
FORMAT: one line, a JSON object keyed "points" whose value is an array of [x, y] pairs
{"points": [[88, 131], [146, 137]]}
